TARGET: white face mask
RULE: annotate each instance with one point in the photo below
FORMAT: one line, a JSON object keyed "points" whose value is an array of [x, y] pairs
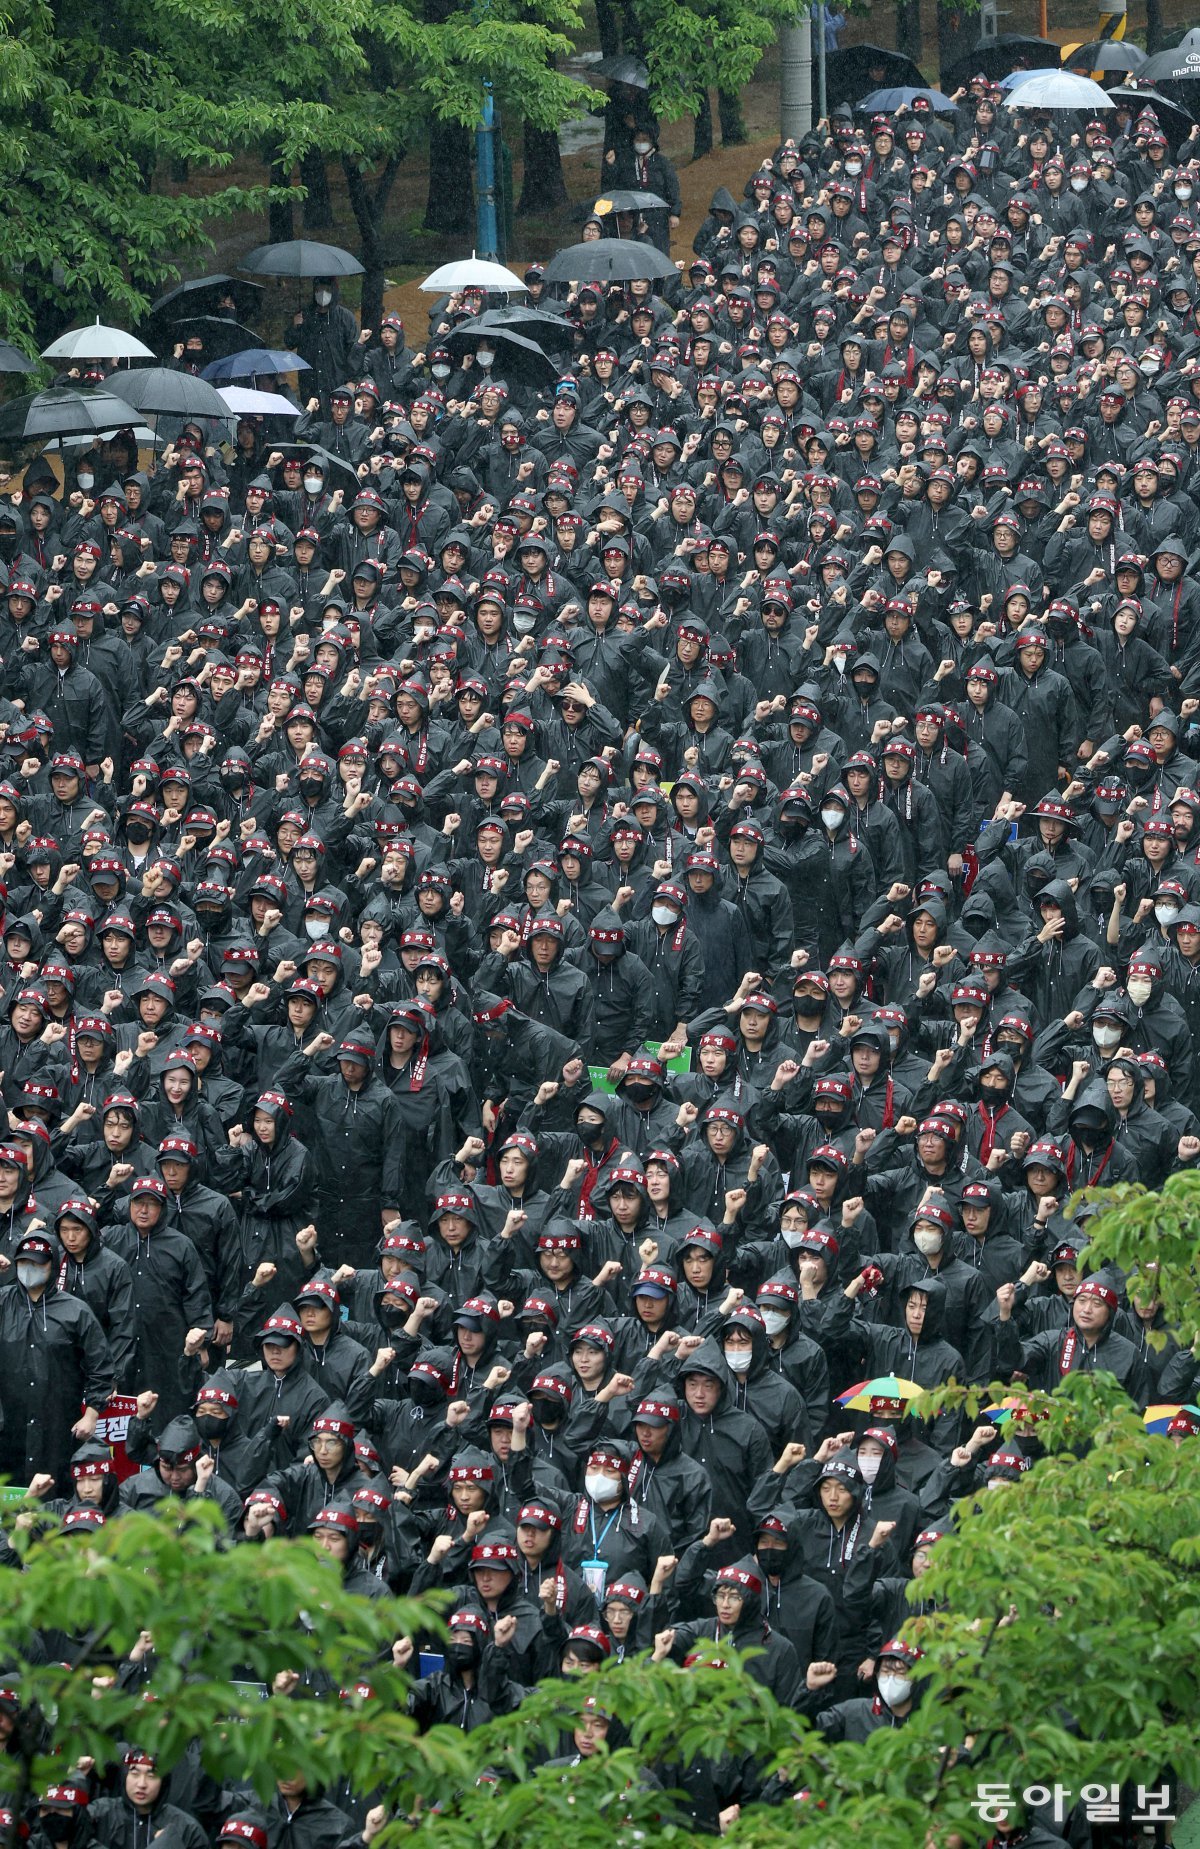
{"points": [[485, 356], [663, 914], [839, 661], [776, 1321], [523, 622], [315, 929], [895, 1690], [1078, 186], [1138, 990], [1165, 913], [642, 147], [86, 480], [441, 371], [313, 484], [831, 816], [599, 1487], [1183, 192], [927, 1241], [323, 297], [1106, 1036], [853, 167], [738, 1360], [31, 1275], [868, 1467], [791, 1237]]}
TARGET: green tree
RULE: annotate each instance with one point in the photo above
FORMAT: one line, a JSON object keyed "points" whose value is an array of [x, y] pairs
{"points": [[91, 117]]}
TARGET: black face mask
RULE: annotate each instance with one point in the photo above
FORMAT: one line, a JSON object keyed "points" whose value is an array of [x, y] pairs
{"points": [[771, 1559], [640, 1094], [312, 787], [136, 835], [233, 779], [546, 1413], [426, 1394], [464, 1654], [210, 1427], [592, 1136], [61, 1827]]}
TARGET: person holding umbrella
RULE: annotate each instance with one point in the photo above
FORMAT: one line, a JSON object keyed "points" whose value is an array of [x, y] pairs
{"points": [[642, 166], [327, 337]]}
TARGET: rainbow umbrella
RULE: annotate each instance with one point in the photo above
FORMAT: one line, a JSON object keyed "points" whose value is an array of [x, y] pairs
{"points": [[885, 1397], [1157, 1418], [1012, 1411]]}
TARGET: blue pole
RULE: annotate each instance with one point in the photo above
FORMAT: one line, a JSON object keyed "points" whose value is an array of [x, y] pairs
{"points": [[487, 242]]}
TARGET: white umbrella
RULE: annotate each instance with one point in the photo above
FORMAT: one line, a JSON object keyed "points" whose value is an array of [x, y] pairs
{"points": [[97, 342], [245, 403], [1058, 90], [473, 273]]}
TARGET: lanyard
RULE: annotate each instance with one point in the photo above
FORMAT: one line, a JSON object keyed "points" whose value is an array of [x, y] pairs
{"points": [[597, 1544]]}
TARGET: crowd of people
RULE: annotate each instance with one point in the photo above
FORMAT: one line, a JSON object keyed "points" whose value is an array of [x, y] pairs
{"points": [[551, 933]]}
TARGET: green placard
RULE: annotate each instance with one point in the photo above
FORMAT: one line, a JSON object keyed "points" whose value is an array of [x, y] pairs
{"points": [[599, 1074]]}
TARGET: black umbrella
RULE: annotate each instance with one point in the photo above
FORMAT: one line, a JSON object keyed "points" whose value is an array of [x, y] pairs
{"points": [[301, 257], [999, 57], [518, 358], [630, 202], [203, 294], [63, 411], [549, 331], [1107, 55], [609, 260], [336, 465], [221, 337], [1180, 65], [852, 73], [624, 69], [157, 391], [1175, 120], [13, 360]]}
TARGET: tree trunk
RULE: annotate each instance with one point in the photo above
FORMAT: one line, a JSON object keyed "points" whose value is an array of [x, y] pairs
{"points": [[450, 207], [318, 208], [702, 131], [280, 225], [1154, 26], [369, 202], [607, 28], [956, 34], [543, 188], [733, 126], [908, 28]]}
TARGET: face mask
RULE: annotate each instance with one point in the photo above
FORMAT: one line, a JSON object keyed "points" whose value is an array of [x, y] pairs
{"points": [[1183, 192], [599, 1487], [1138, 990], [1078, 186], [776, 1320], [311, 786], [486, 357], [313, 484], [441, 371], [464, 1654], [738, 1360], [868, 1467], [33, 1275], [895, 1690], [663, 914], [85, 481], [831, 816], [523, 622], [640, 1094], [853, 167], [314, 929], [137, 836], [323, 297], [1165, 913], [1106, 1036], [927, 1242], [209, 1427], [839, 661], [791, 1237], [642, 147], [546, 1412]]}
